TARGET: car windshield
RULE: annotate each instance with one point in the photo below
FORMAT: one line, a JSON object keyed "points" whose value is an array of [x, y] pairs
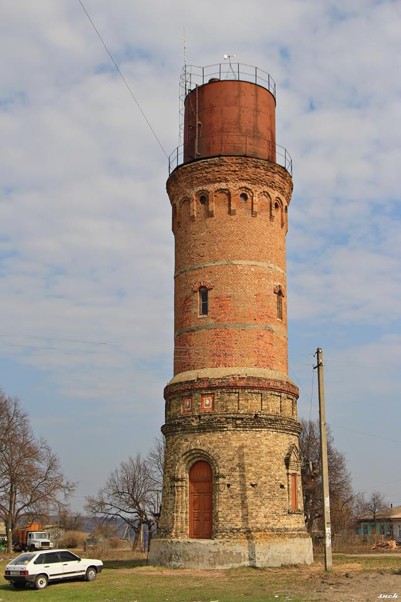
{"points": [[22, 559], [39, 535]]}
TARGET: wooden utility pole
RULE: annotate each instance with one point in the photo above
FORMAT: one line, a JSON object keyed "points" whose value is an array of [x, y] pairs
{"points": [[328, 562]]}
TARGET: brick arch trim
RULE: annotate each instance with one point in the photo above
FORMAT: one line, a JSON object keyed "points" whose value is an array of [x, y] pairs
{"points": [[293, 458], [277, 205], [191, 456], [202, 284]]}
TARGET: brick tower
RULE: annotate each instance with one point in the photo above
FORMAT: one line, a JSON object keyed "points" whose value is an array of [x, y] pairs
{"points": [[232, 481]]}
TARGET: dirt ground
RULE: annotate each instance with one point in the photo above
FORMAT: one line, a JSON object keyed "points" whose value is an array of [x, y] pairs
{"points": [[358, 586], [347, 583]]}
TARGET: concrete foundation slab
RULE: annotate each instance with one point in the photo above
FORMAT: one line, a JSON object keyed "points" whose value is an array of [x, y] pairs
{"points": [[224, 554]]}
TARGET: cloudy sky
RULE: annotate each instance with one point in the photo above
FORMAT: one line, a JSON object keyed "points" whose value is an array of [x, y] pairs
{"points": [[86, 249]]}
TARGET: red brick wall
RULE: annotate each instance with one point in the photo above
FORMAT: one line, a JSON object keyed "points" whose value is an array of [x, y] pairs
{"points": [[236, 248]]}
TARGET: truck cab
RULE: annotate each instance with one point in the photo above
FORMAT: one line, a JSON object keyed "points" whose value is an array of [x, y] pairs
{"points": [[31, 538], [38, 540]]}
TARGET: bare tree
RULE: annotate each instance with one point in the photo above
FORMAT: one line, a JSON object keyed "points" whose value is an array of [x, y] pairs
{"points": [[156, 459], [375, 508], [342, 498], [31, 479], [155, 462], [374, 504], [128, 494], [70, 521]]}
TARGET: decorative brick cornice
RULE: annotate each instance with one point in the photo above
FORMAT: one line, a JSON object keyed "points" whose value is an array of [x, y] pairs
{"points": [[231, 383], [219, 171], [202, 423]]}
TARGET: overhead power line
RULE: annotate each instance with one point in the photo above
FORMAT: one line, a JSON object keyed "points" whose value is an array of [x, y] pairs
{"points": [[375, 436], [123, 78]]}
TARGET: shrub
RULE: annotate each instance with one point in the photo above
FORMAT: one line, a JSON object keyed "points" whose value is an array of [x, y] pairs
{"points": [[73, 539]]}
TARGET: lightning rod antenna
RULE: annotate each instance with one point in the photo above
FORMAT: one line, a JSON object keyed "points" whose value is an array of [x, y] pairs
{"points": [[229, 57], [185, 46]]}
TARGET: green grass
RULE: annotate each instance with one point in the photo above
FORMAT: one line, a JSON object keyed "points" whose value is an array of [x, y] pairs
{"points": [[367, 563], [128, 580]]}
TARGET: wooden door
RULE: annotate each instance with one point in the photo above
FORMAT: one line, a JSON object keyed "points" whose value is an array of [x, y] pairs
{"points": [[200, 501]]}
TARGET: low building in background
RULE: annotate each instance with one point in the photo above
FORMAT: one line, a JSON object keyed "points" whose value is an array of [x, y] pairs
{"points": [[386, 523]]}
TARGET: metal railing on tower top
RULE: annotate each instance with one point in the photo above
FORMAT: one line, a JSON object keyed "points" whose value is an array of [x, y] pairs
{"points": [[192, 75], [283, 158]]}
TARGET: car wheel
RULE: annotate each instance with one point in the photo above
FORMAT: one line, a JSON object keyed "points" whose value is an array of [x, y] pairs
{"points": [[41, 582], [90, 574], [18, 584]]}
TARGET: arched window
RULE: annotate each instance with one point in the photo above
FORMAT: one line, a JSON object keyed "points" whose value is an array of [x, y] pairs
{"points": [[293, 463], [202, 289], [280, 305], [201, 500], [203, 301], [279, 297]]}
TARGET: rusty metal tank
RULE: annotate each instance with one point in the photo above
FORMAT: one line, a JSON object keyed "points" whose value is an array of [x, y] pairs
{"points": [[229, 117]]}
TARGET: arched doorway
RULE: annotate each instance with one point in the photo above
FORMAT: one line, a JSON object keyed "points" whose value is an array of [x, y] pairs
{"points": [[200, 500]]}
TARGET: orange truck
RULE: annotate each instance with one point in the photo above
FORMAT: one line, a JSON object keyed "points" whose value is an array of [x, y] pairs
{"points": [[32, 537]]}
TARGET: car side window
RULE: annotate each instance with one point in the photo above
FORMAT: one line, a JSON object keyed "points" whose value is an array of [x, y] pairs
{"points": [[67, 556], [41, 559], [23, 559], [51, 558]]}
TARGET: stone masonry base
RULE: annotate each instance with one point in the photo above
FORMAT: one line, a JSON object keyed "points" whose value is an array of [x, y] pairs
{"points": [[224, 554]]}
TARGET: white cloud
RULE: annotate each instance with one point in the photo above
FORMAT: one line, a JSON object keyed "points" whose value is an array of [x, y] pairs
{"points": [[86, 249]]}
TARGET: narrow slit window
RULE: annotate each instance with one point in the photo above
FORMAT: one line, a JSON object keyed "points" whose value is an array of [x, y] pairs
{"points": [[280, 305], [203, 301], [294, 492]]}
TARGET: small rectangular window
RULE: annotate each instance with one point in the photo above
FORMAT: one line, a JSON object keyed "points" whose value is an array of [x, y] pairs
{"points": [[203, 301]]}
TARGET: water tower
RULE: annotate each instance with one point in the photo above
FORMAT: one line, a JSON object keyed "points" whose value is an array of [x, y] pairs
{"points": [[232, 493]]}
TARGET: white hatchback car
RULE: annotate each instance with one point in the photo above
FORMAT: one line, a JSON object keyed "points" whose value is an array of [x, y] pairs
{"points": [[38, 568]]}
